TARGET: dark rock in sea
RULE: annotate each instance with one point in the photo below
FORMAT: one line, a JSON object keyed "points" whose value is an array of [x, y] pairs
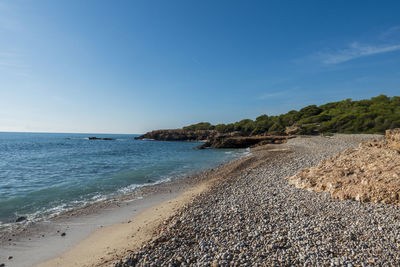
{"points": [[2, 265], [63, 234], [10, 257], [101, 138], [150, 181], [21, 219]]}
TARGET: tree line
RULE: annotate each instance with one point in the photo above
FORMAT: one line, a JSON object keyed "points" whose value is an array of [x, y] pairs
{"points": [[373, 115]]}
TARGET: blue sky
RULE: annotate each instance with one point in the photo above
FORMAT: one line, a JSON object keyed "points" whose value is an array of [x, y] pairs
{"points": [[134, 66]]}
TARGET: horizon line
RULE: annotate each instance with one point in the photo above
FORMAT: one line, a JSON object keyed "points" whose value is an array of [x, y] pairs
{"points": [[67, 132]]}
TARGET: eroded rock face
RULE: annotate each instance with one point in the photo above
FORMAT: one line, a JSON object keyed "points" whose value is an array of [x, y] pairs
{"points": [[393, 139], [294, 129], [369, 173]]}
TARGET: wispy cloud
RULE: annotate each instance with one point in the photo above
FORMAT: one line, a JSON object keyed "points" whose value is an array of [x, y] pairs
{"points": [[390, 33], [356, 50]]}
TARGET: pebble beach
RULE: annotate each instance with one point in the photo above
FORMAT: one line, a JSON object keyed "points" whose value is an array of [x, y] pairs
{"points": [[253, 217]]}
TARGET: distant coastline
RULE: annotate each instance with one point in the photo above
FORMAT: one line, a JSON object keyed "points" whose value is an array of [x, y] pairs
{"points": [[371, 116]]}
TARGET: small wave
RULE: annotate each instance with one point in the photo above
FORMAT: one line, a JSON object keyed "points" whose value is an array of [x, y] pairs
{"points": [[131, 188], [246, 153], [48, 213], [35, 216], [239, 153], [99, 197]]}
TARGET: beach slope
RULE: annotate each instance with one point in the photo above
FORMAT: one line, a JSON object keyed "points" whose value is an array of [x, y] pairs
{"points": [[257, 218]]}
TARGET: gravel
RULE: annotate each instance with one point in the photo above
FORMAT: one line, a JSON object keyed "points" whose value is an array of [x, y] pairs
{"points": [[257, 219]]}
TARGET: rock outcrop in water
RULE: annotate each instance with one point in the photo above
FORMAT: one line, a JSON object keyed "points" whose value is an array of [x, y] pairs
{"points": [[369, 173], [101, 138], [213, 138]]}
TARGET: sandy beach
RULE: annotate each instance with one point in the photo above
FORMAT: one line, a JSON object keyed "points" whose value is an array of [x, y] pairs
{"points": [[243, 212]]}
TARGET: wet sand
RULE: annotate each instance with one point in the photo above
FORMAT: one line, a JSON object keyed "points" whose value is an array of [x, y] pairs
{"points": [[43, 240]]}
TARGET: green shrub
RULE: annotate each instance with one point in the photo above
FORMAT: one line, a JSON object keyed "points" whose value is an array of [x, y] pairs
{"points": [[373, 115]]}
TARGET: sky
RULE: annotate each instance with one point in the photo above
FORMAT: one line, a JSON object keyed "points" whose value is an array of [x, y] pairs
{"points": [[132, 66]]}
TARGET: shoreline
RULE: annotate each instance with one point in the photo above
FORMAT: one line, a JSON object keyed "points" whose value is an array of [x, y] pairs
{"points": [[38, 242], [108, 245], [256, 218], [42, 241], [152, 228]]}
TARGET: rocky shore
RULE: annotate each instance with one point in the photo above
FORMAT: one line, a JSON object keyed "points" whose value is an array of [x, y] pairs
{"points": [[244, 141], [178, 135], [213, 138], [253, 217], [368, 173]]}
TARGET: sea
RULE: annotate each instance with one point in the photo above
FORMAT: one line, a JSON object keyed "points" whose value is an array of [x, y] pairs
{"points": [[44, 174]]}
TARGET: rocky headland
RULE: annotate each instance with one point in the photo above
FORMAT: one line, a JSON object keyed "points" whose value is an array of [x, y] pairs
{"points": [[368, 173], [179, 135], [214, 139]]}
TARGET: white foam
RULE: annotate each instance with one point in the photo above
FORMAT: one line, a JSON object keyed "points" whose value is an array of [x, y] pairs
{"points": [[133, 187]]}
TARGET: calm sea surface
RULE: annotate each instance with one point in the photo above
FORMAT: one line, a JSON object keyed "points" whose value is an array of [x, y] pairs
{"points": [[42, 174]]}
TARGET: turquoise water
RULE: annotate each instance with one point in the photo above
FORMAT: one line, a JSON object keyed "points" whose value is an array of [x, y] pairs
{"points": [[42, 173]]}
